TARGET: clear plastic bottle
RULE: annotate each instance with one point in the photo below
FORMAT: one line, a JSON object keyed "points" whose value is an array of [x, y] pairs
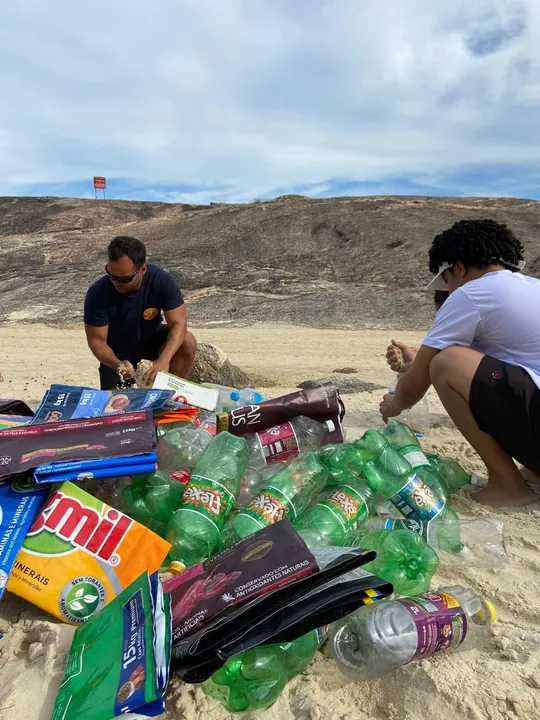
{"points": [[378, 638], [280, 443], [253, 481], [182, 448], [247, 397], [224, 403], [416, 417]]}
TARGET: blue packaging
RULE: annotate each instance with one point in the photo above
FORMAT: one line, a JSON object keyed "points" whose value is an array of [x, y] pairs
{"points": [[20, 502]]}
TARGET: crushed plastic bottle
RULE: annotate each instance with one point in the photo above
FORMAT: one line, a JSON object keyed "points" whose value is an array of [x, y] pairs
{"points": [[377, 639], [181, 449], [152, 499], [256, 678], [454, 476]]}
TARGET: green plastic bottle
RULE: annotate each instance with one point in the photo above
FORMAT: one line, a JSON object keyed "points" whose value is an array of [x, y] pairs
{"points": [[343, 510], [152, 499], [402, 439], [288, 494], [403, 558], [453, 475], [208, 499], [389, 473], [256, 678], [335, 458]]}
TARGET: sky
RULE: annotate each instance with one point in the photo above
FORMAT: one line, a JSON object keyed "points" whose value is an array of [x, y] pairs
{"points": [[232, 100]]}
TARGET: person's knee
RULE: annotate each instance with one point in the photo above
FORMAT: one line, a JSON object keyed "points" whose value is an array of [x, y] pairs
{"points": [[189, 346]]}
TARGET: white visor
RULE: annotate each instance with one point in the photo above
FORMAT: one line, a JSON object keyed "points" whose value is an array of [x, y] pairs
{"points": [[438, 283]]}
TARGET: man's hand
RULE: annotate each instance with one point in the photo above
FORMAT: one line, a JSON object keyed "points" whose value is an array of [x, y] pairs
{"points": [[400, 356], [126, 371], [388, 408], [159, 365]]}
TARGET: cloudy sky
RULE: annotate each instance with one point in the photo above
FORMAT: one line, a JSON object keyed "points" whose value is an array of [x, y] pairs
{"points": [[231, 100]]}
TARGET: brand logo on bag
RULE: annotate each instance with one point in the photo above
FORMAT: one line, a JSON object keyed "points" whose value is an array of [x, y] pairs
{"points": [[203, 497], [83, 527]]}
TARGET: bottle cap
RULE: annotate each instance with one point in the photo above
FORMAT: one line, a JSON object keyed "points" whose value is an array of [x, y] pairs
{"points": [[492, 612], [177, 567], [235, 396], [330, 426]]}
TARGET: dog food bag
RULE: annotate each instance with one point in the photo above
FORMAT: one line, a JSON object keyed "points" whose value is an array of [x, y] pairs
{"points": [[119, 660], [80, 554]]}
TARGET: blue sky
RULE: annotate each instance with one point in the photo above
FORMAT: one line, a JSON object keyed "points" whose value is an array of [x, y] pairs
{"points": [[231, 100]]}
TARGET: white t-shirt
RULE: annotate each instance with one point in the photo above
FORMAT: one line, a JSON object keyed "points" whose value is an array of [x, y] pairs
{"points": [[497, 315]]}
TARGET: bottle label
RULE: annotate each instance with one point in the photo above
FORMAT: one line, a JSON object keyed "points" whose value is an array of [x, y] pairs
{"points": [[278, 443], [416, 500], [416, 526], [414, 456], [346, 504], [270, 506], [441, 623], [209, 426], [209, 498]]}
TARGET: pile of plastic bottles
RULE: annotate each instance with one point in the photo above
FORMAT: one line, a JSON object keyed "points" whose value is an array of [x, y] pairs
{"points": [[213, 489]]}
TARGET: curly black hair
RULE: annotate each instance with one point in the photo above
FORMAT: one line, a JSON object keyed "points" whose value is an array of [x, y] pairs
{"points": [[476, 243]]}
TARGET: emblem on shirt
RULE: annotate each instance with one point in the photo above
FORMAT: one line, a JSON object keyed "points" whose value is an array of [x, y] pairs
{"points": [[150, 313]]}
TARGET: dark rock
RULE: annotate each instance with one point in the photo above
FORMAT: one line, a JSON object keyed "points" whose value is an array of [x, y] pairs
{"points": [[346, 385], [346, 371], [212, 365]]}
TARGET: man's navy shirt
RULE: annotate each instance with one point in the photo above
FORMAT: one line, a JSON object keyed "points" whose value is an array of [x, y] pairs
{"points": [[132, 319]]}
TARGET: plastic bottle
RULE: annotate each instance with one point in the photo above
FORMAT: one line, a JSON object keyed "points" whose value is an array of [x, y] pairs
{"points": [[336, 460], [246, 397], [343, 510], [416, 417], [256, 678], [224, 402], [390, 474], [378, 638], [208, 499], [289, 493], [279, 443], [181, 449], [403, 558], [152, 499], [253, 482], [453, 475], [407, 443]]}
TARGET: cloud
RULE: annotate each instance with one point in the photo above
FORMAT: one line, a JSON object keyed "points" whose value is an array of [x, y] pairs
{"points": [[222, 101]]}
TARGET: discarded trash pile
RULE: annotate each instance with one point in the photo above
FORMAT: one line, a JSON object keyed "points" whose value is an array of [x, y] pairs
{"points": [[272, 534]]}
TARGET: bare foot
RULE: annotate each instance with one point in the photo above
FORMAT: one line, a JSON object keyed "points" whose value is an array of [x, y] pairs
{"points": [[502, 492]]}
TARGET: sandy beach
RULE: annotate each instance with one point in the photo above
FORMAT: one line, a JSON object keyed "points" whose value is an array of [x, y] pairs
{"points": [[498, 679]]}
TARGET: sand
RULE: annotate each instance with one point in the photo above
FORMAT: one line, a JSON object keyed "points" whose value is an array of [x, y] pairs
{"points": [[498, 678]]}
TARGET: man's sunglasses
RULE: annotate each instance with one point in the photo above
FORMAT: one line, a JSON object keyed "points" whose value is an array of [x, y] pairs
{"points": [[123, 279]]}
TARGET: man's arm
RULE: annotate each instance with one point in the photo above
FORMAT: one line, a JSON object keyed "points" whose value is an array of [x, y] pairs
{"points": [[414, 384], [96, 338]]}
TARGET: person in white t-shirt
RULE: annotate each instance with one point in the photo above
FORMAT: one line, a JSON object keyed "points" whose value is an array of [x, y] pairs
{"points": [[482, 354]]}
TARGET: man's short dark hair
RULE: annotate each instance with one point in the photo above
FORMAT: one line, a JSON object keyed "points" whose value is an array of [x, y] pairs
{"points": [[476, 243], [125, 246]]}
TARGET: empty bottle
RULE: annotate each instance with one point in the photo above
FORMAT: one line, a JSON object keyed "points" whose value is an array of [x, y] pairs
{"points": [[253, 482], [288, 494], [378, 638], [279, 443], [181, 449], [208, 498], [224, 402], [336, 460], [453, 475], [343, 510], [403, 558], [152, 499], [402, 439], [390, 474], [246, 397], [416, 417], [256, 678]]}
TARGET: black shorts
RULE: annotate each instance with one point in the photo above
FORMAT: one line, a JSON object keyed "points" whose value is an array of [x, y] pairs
{"points": [[506, 404], [149, 349]]}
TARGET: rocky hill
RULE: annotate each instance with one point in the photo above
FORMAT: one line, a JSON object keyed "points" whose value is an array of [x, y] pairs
{"points": [[348, 262]]}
